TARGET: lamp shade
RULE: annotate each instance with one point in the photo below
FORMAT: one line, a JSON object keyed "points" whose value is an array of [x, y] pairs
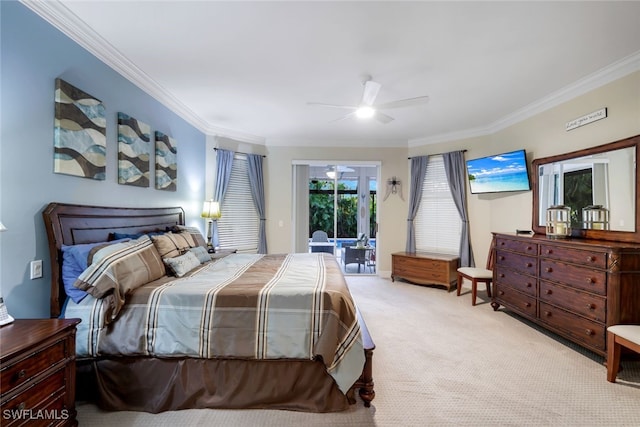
{"points": [[211, 210]]}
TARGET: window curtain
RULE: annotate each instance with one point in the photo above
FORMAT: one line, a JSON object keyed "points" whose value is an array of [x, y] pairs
{"points": [[254, 161], [418, 171], [224, 161], [455, 169]]}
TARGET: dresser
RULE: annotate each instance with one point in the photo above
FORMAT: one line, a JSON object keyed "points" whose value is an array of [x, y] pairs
{"points": [[425, 268], [37, 372], [572, 287]]}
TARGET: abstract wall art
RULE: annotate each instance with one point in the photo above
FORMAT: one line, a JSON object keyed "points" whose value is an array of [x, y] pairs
{"points": [[80, 134], [133, 151], [166, 162]]}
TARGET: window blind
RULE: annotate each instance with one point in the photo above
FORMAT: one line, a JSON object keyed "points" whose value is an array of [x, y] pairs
{"points": [[239, 222], [437, 224]]}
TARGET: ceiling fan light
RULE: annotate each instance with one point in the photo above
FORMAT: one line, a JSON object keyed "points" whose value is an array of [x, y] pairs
{"points": [[365, 112]]}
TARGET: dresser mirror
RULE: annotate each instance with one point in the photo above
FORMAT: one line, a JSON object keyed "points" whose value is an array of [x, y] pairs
{"points": [[604, 178]]}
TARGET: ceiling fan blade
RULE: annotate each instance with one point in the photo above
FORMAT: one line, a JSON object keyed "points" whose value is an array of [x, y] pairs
{"points": [[382, 118], [339, 119], [320, 104], [404, 103], [370, 92]]}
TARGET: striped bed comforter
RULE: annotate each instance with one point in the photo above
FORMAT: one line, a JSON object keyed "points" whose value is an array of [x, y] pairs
{"points": [[244, 306]]}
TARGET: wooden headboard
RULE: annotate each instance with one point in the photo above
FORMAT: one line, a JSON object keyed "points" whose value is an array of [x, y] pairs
{"points": [[68, 224]]}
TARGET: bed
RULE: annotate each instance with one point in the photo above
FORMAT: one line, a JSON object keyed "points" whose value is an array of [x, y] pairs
{"points": [[142, 349]]}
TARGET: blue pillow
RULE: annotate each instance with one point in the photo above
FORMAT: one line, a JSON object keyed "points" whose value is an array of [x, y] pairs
{"points": [[74, 262]]}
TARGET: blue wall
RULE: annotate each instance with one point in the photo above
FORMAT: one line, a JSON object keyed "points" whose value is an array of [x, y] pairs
{"points": [[33, 55]]}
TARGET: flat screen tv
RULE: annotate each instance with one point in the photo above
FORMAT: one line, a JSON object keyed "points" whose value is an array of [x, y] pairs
{"points": [[499, 173]]}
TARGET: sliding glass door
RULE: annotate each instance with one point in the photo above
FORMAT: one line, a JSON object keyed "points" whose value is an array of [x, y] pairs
{"points": [[341, 201]]}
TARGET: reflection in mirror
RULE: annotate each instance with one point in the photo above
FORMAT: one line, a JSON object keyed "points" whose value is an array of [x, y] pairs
{"points": [[605, 180]]}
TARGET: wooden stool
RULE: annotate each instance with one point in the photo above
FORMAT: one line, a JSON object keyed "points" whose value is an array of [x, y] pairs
{"points": [[619, 336]]}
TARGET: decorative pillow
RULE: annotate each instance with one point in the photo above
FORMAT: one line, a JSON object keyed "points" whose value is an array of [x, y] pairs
{"points": [[197, 237], [201, 253], [182, 264], [170, 244], [120, 268], [74, 262]]}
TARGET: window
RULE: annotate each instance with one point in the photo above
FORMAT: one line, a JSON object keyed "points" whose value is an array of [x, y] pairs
{"points": [[437, 224], [239, 223]]}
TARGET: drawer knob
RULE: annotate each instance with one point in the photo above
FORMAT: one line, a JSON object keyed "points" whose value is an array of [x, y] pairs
{"points": [[529, 285], [549, 292], [549, 251], [528, 265], [548, 269], [22, 374], [591, 306], [589, 332], [501, 243], [591, 280], [528, 305], [502, 275], [529, 248], [547, 313], [591, 259], [501, 258], [501, 292]]}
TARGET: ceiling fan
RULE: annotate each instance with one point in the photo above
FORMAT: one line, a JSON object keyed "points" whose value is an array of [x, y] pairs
{"points": [[367, 107]]}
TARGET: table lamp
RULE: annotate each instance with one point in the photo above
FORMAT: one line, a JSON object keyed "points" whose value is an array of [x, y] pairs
{"points": [[210, 211]]}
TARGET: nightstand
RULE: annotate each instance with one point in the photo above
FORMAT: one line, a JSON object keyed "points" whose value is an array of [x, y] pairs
{"points": [[38, 372]]}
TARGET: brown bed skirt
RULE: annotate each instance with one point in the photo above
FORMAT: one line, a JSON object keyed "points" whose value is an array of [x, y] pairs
{"points": [[157, 385]]}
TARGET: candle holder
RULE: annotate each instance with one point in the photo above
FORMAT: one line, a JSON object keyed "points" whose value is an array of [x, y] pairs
{"points": [[558, 222], [595, 217]]}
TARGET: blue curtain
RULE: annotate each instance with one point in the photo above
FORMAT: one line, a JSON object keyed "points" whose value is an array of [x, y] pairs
{"points": [[456, 176], [256, 178], [224, 161], [418, 171]]}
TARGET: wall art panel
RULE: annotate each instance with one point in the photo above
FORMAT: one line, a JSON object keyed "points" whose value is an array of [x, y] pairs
{"points": [[134, 137], [80, 131], [166, 162]]}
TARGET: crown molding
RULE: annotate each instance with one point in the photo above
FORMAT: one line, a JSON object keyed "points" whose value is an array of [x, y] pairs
{"points": [[58, 15], [63, 19], [608, 74]]}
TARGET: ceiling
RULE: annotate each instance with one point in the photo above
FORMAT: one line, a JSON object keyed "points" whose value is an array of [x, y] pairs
{"points": [[246, 70]]}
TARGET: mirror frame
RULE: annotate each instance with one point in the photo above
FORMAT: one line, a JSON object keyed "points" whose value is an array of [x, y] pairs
{"points": [[619, 236]]}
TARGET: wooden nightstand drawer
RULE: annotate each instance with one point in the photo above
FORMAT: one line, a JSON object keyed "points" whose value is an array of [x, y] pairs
{"points": [[25, 369], [37, 373]]}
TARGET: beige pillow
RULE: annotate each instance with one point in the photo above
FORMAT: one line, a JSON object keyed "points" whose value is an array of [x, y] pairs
{"points": [[170, 245], [120, 268], [198, 239]]}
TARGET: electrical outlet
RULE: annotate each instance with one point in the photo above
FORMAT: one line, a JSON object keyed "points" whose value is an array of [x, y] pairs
{"points": [[36, 269]]}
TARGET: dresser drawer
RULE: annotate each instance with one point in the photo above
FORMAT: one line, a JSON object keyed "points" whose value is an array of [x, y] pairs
{"points": [[584, 258], [578, 277], [522, 263], [35, 396], [519, 281], [587, 305], [517, 301], [524, 247], [583, 331], [23, 370]]}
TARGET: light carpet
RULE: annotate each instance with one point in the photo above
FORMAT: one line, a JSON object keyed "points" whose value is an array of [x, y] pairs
{"points": [[441, 362]]}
